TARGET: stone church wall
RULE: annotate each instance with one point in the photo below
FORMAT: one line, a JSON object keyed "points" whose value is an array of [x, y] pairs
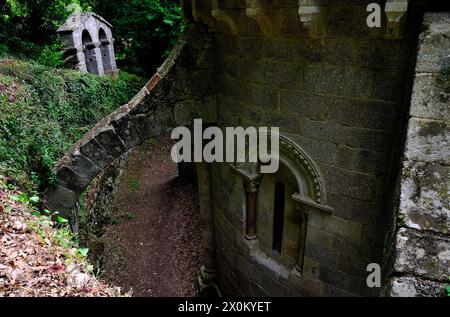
{"points": [[338, 98]]}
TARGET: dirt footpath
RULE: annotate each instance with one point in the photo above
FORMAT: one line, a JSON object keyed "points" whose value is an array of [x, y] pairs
{"points": [[153, 246]]}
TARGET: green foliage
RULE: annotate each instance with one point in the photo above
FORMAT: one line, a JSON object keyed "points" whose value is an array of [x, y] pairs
{"points": [[44, 111], [145, 31], [62, 236], [51, 56], [24, 198], [26, 27], [447, 289]]}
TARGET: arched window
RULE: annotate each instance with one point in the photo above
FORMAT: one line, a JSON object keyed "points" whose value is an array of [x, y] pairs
{"points": [[278, 218], [105, 50], [89, 53], [284, 201]]}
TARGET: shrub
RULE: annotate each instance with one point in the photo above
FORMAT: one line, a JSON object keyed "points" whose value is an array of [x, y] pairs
{"points": [[51, 56], [44, 111]]}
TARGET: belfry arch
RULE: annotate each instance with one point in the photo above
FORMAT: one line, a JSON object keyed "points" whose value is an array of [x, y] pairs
{"points": [[105, 49], [89, 50]]}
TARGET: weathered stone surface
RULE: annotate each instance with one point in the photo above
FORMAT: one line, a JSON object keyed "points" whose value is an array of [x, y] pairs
{"points": [[355, 27], [311, 268], [205, 109], [349, 229], [428, 141], [431, 96], [388, 84], [320, 237], [127, 131], [61, 199], [351, 264], [333, 277], [96, 153], [112, 144], [286, 23], [353, 209], [425, 199], [83, 166], [364, 161], [340, 100], [67, 178], [320, 151], [350, 184], [344, 111], [423, 254], [333, 291], [347, 246], [415, 287], [352, 82], [320, 254], [434, 44], [91, 37], [372, 140], [262, 97], [275, 74]]}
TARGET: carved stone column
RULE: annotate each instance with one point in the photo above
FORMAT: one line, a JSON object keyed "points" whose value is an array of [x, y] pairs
{"points": [[303, 212], [99, 58], [251, 188]]}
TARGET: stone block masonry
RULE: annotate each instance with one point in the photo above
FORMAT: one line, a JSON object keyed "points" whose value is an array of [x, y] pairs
{"points": [[421, 252], [88, 43], [339, 98]]}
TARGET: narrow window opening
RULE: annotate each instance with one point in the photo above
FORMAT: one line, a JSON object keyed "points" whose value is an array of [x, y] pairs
{"points": [[278, 218]]}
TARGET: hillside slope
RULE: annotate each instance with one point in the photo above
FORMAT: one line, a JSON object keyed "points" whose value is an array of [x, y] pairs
{"points": [[38, 260], [44, 111]]}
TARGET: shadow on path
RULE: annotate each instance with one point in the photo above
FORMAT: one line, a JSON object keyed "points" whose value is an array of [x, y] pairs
{"points": [[153, 246]]}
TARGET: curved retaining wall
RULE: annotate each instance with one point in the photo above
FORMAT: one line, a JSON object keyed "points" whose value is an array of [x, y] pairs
{"points": [[168, 100]]}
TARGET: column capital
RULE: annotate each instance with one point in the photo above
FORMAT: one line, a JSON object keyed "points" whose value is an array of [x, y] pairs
{"points": [[252, 184]]}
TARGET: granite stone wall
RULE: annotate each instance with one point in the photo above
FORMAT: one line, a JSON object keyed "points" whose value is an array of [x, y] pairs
{"points": [[339, 98], [420, 256]]}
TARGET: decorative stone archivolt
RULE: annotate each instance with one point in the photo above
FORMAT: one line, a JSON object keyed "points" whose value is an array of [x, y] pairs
{"points": [[313, 16], [311, 190], [225, 16], [396, 16], [311, 195], [261, 13]]}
